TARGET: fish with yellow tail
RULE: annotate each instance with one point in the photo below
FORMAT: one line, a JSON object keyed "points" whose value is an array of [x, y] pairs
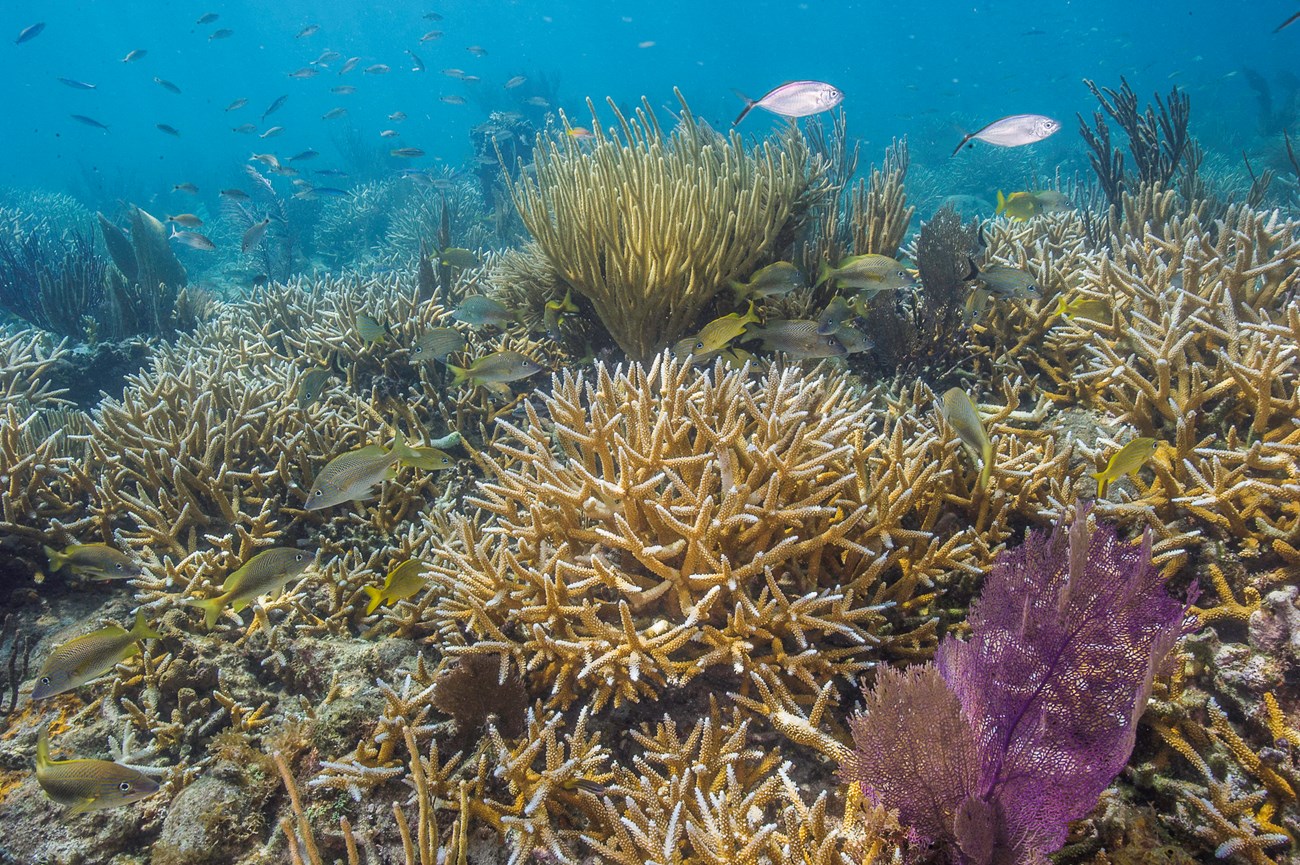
{"points": [[715, 335], [775, 280], [868, 273], [498, 367], [96, 561], [354, 475], [554, 313], [1126, 461], [88, 785], [801, 339], [81, 659], [961, 413], [403, 581], [266, 572], [1018, 206]]}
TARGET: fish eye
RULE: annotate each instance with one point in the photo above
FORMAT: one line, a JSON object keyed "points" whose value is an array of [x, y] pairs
{"points": [[902, 273], [319, 493], [700, 344], [419, 348], [118, 566], [298, 558], [45, 680], [125, 786]]}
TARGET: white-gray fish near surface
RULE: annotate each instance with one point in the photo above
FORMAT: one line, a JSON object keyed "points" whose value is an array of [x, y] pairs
{"points": [[795, 99], [253, 236], [1014, 131]]}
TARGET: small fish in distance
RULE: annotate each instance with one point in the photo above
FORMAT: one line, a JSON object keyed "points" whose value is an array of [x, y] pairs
{"points": [[88, 121], [221, 34], [794, 99], [309, 30], [1287, 23], [1013, 131], [253, 236], [76, 85], [30, 33], [134, 55]]}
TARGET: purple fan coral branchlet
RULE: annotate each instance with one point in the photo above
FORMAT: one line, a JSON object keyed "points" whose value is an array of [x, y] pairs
{"points": [[1064, 643]]}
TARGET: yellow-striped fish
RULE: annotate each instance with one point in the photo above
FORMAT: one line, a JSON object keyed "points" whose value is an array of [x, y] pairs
{"points": [[403, 581], [370, 330], [555, 311], [76, 662], [495, 368], [437, 343], [96, 561], [88, 785], [264, 573], [1126, 461], [962, 415], [353, 476], [311, 385], [715, 335]]}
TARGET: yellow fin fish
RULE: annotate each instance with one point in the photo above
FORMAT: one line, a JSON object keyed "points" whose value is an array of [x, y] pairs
{"points": [[1089, 308], [961, 413], [76, 662], [311, 385], [403, 581], [1127, 460], [555, 311], [1018, 206], [353, 476], [97, 561], [868, 272], [775, 280], [370, 330], [495, 368], [715, 335], [88, 785], [264, 573]]}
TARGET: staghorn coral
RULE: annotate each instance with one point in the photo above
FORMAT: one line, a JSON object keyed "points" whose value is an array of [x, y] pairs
{"points": [[649, 225]]}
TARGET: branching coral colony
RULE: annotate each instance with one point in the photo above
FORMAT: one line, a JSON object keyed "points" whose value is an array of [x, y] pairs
{"points": [[652, 594]]}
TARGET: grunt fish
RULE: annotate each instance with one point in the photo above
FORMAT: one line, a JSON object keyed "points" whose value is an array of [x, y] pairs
{"points": [[272, 132], [81, 659], [799, 339], [334, 114], [370, 330], [303, 73], [189, 220], [415, 59], [237, 104], [794, 99], [1013, 131], [97, 561], [515, 82], [376, 69], [344, 90], [835, 316], [306, 154], [1004, 281], [88, 785], [253, 236], [961, 413], [309, 30], [498, 367], [349, 65], [1126, 461], [189, 188], [454, 256], [166, 85], [452, 99], [715, 335], [207, 18], [311, 385], [870, 272], [264, 573], [221, 34], [480, 311], [134, 55], [354, 475], [555, 310], [193, 240], [407, 152], [775, 280], [438, 343], [402, 581]]}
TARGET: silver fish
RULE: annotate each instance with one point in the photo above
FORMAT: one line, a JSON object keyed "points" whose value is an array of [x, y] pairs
{"points": [[794, 99], [1013, 131], [166, 85], [76, 85], [193, 240], [30, 33], [253, 236], [275, 106]]}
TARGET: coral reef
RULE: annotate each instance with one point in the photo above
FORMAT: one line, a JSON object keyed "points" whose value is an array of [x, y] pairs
{"points": [[649, 226]]}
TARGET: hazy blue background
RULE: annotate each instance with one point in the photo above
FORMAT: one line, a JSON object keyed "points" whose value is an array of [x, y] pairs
{"points": [[926, 74]]}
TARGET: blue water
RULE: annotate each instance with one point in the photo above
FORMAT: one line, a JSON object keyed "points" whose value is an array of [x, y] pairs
{"points": [[929, 71]]}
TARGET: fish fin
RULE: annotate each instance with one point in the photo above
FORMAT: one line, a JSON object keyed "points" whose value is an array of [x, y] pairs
{"points": [[1002, 204], [142, 630], [974, 270], [211, 608], [459, 374], [376, 598], [967, 137], [83, 806], [987, 470], [749, 317], [749, 106], [823, 274], [43, 747], [56, 558]]}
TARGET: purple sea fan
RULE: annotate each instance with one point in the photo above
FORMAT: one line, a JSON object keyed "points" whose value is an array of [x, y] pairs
{"points": [[1065, 641]]}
